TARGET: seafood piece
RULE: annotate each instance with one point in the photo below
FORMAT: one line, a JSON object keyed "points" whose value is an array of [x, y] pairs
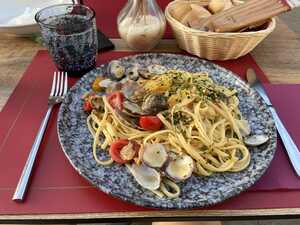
{"points": [[132, 108], [109, 85], [127, 118], [133, 73], [155, 155], [106, 83], [146, 176], [97, 103], [154, 104], [157, 69], [144, 73], [133, 91], [96, 84], [128, 152], [244, 127], [256, 140], [116, 70], [181, 168]]}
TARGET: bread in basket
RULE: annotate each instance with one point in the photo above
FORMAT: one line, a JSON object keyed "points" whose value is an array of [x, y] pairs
{"points": [[212, 45]]}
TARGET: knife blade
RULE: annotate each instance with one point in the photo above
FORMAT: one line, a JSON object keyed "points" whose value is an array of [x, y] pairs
{"points": [[289, 144]]}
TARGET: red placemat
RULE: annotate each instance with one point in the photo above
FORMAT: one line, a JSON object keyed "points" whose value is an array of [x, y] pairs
{"points": [[54, 178], [106, 15]]}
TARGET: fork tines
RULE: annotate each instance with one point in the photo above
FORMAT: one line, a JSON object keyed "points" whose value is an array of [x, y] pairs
{"points": [[59, 84]]}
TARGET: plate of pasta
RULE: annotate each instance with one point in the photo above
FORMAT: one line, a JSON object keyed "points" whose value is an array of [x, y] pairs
{"points": [[166, 131]]}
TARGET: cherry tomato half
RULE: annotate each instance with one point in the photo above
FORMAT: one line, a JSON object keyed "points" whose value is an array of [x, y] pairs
{"points": [[116, 99], [116, 147], [151, 123], [87, 106]]}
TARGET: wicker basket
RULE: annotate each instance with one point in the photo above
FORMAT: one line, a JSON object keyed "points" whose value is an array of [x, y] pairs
{"points": [[211, 45]]}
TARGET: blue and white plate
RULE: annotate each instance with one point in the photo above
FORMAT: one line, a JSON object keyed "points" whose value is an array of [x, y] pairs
{"points": [[197, 191]]}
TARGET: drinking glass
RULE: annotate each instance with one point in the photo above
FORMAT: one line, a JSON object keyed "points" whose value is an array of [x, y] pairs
{"points": [[69, 32]]}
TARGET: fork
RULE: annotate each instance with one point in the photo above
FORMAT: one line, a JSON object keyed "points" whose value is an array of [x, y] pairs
{"points": [[57, 93]]}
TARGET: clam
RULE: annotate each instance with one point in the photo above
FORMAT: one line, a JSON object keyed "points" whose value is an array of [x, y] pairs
{"points": [[127, 118], [133, 91], [244, 127], [256, 140], [128, 152], [133, 73], [155, 155], [109, 85], [106, 83], [144, 73], [146, 176], [154, 104], [132, 109], [156, 69], [181, 168], [116, 70]]}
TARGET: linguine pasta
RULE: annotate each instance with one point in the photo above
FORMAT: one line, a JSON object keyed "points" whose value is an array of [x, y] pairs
{"points": [[203, 121]]}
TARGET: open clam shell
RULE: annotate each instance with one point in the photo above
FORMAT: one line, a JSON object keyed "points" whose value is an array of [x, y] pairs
{"points": [[146, 176], [155, 155], [181, 168], [256, 140]]}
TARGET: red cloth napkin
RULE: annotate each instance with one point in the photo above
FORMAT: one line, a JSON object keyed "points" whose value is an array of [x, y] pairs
{"points": [[54, 179], [106, 15]]}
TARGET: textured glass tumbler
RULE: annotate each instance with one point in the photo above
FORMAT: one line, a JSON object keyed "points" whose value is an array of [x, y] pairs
{"points": [[69, 32]]}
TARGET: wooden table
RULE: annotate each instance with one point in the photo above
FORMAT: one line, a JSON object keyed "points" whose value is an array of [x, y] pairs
{"points": [[278, 56]]}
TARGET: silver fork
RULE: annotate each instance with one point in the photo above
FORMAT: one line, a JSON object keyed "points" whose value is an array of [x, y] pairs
{"points": [[58, 91]]}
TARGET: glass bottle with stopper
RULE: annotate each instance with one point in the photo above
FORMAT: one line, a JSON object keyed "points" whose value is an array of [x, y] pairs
{"points": [[141, 24]]}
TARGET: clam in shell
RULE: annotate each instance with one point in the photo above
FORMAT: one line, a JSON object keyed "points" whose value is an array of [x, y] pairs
{"points": [[155, 155], [116, 70], [181, 168], [256, 140], [146, 176]]}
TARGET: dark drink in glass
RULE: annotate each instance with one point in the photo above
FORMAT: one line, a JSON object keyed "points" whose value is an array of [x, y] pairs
{"points": [[69, 32]]}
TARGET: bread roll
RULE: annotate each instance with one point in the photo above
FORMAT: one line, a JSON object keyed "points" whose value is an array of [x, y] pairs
{"points": [[199, 24], [228, 4], [237, 2], [195, 16], [191, 15], [216, 6], [200, 10], [180, 10]]}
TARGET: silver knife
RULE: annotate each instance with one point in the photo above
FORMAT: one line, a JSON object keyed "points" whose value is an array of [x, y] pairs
{"points": [[289, 144]]}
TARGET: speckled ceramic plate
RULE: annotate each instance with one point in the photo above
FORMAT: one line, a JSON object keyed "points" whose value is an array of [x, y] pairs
{"points": [[196, 191]]}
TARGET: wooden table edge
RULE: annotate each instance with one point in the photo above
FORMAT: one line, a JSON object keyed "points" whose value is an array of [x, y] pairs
{"points": [[169, 215]]}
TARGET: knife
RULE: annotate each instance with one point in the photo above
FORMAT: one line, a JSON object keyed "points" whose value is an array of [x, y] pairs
{"points": [[289, 144]]}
